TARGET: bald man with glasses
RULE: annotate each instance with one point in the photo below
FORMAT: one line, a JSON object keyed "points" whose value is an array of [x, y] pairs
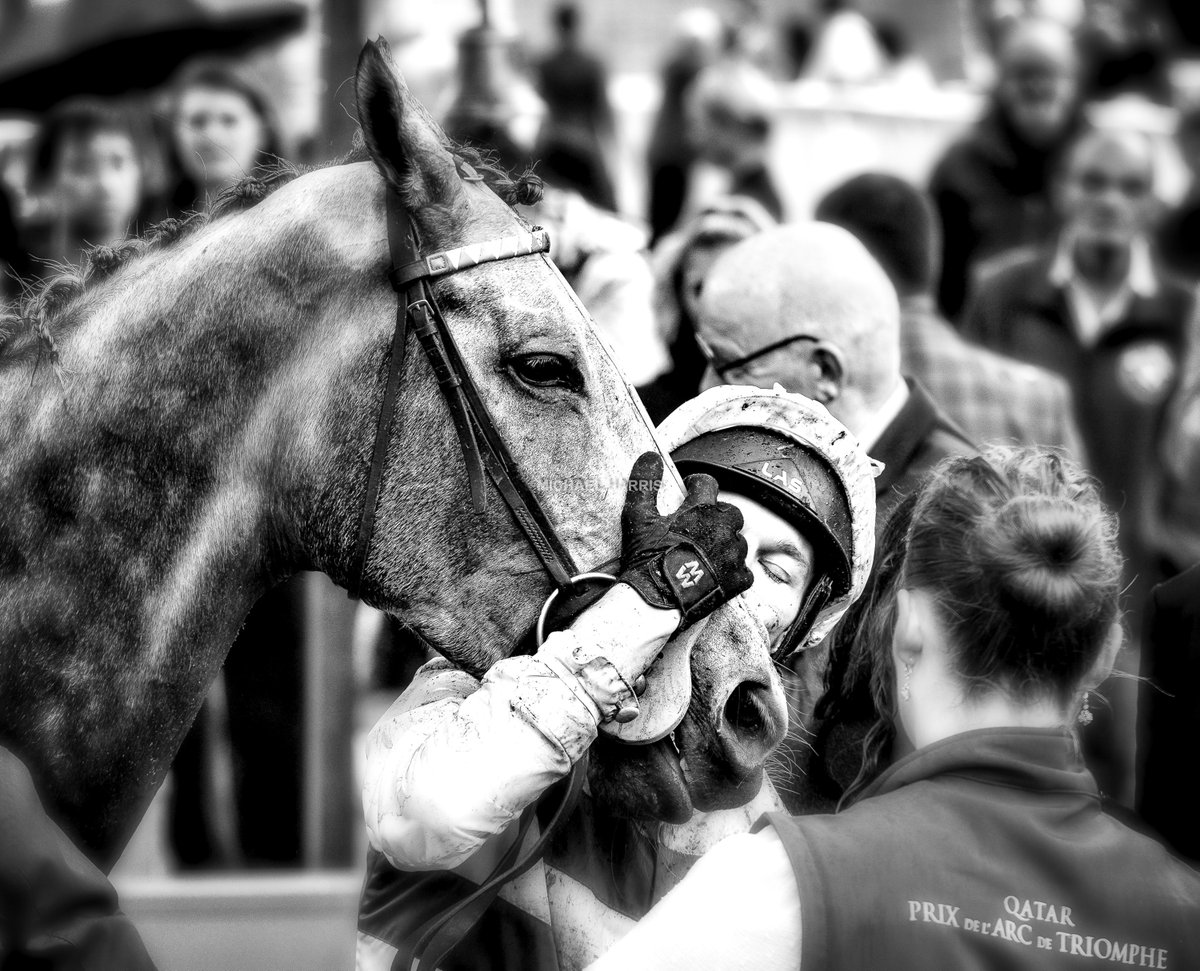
{"points": [[805, 306]]}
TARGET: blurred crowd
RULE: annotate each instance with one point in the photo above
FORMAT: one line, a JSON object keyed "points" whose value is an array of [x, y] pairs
{"points": [[1045, 293]]}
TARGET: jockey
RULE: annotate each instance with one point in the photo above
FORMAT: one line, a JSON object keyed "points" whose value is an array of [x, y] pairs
{"points": [[805, 489]]}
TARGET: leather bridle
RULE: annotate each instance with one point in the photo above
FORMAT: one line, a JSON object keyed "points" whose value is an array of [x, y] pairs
{"points": [[482, 448], [482, 444]]}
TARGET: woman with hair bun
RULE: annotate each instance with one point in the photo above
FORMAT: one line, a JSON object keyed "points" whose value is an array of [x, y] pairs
{"points": [[986, 843]]}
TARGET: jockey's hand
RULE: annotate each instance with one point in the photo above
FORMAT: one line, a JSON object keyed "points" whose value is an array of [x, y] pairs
{"points": [[692, 560]]}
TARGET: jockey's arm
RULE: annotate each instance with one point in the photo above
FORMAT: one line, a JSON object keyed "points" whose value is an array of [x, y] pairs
{"points": [[738, 909], [454, 760]]}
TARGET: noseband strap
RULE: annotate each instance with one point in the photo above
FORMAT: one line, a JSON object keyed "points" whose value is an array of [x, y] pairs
{"points": [[482, 445]]}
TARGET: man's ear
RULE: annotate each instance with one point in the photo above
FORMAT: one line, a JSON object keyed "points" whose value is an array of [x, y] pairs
{"points": [[826, 360]]}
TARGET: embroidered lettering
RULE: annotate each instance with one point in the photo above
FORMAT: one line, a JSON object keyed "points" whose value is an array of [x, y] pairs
{"points": [[1037, 910], [1118, 952], [931, 913], [1021, 928]]}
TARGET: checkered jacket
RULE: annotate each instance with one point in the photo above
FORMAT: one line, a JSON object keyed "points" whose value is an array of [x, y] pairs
{"points": [[992, 397]]}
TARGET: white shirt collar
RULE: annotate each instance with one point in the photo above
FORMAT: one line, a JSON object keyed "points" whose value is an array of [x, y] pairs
{"points": [[1091, 313], [884, 415], [1141, 278]]}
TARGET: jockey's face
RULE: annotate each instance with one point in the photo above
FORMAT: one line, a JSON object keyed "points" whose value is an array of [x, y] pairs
{"points": [[219, 134], [98, 178], [781, 561]]}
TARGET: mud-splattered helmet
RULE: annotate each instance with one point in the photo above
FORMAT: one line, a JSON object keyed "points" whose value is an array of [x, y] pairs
{"points": [[789, 454]]}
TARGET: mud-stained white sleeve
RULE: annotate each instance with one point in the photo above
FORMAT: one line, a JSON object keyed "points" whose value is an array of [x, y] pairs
{"points": [[738, 909], [455, 760]]}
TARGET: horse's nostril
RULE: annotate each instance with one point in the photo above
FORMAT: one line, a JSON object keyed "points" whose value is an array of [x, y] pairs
{"points": [[744, 711]]}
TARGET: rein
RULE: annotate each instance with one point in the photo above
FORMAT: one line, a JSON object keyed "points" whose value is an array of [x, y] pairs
{"points": [[481, 442]]}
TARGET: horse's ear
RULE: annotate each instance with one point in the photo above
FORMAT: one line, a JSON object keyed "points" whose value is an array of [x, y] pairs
{"points": [[405, 144]]}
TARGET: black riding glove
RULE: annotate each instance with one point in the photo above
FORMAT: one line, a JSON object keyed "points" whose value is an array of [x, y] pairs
{"points": [[692, 560]]}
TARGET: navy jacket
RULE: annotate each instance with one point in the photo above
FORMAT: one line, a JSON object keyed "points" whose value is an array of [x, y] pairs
{"points": [[986, 851], [991, 192], [915, 441]]}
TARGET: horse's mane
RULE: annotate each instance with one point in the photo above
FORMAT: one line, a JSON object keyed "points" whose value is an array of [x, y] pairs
{"points": [[44, 304]]}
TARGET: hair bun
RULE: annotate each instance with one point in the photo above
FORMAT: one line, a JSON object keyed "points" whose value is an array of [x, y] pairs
{"points": [[1019, 551], [1045, 550]]}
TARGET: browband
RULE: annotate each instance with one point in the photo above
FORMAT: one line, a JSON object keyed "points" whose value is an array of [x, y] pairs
{"points": [[482, 445], [473, 254]]}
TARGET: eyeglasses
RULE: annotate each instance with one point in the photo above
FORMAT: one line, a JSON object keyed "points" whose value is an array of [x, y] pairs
{"points": [[723, 368]]}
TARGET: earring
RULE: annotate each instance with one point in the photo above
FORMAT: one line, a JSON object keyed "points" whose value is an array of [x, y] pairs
{"points": [[905, 690], [1085, 713]]}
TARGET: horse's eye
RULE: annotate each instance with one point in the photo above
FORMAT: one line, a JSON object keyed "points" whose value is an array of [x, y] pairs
{"points": [[546, 371]]}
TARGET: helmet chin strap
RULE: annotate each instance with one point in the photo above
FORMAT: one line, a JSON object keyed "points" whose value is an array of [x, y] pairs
{"points": [[816, 600]]}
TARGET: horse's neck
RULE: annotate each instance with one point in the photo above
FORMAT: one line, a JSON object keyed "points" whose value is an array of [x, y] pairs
{"points": [[140, 523]]}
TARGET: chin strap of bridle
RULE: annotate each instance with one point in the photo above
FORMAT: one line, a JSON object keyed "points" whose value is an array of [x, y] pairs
{"points": [[482, 445], [818, 599]]}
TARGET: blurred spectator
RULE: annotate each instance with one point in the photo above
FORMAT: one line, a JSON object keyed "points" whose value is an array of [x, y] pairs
{"points": [[12, 255], [994, 398], [681, 262], [1169, 713], [603, 258], [997, 17], [796, 45], [494, 106], [695, 45], [601, 255], [223, 129], [731, 110], [1178, 235], [1183, 17], [992, 188], [254, 818], [88, 175], [846, 48], [1177, 538], [903, 67], [751, 35], [576, 139], [1096, 308], [1124, 50]]}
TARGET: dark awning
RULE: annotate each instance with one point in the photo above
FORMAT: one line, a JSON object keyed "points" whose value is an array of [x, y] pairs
{"points": [[109, 47]]}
